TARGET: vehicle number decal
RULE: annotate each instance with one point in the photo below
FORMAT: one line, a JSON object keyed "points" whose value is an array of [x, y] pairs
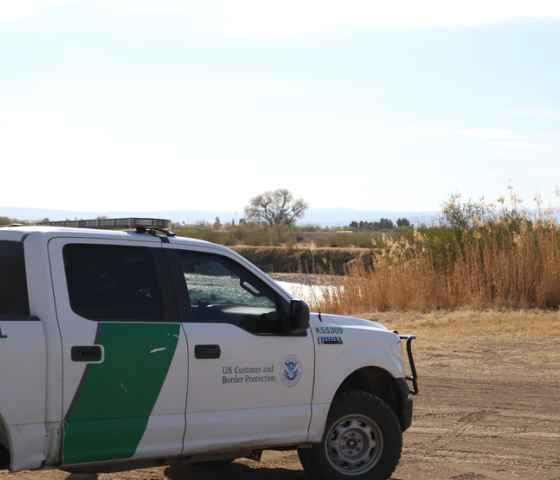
{"points": [[329, 330], [330, 340], [330, 335]]}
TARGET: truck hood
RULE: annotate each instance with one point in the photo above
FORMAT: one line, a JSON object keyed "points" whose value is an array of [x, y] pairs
{"points": [[345, 321]]}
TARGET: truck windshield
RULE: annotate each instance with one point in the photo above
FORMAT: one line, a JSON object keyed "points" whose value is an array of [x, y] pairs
{"points": [[13, 283]]}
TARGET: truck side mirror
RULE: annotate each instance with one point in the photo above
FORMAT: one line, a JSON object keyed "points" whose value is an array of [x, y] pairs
{"points": [[299, 316]]}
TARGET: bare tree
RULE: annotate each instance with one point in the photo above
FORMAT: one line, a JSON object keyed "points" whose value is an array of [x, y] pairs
{"points": [[278, 207]]}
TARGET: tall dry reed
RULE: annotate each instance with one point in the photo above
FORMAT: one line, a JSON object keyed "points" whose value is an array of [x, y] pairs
{"points": [[509, 263]]}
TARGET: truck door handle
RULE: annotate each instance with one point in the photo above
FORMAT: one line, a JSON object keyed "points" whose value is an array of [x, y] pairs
{"points": [[207, 351], [87, 353]]}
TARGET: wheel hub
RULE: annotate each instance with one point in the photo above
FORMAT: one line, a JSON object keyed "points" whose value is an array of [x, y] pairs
{"points": [[354, 444]]}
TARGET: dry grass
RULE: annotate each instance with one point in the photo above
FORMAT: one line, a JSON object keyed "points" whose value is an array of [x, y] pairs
{"points": [[490, 344], [457, 326], [500, 264]]}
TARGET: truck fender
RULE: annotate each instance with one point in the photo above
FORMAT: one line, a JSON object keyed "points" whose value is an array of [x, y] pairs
{"points": [[349, 361], [341, 368]]}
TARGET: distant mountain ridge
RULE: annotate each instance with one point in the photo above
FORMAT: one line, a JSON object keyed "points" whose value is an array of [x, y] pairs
{"points": [[314, 216]]}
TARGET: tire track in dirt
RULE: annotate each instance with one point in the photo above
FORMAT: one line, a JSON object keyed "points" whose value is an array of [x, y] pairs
{"points": [[489, 427]]}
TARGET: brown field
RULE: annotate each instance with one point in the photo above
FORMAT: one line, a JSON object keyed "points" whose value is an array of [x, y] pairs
{"points": [[489, 406]]}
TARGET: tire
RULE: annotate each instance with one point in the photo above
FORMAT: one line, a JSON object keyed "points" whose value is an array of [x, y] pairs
{"points": [[4, 458], [362, 441]]}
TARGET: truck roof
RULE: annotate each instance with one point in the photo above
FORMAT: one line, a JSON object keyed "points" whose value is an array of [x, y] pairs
{"points": [[19, 232]]}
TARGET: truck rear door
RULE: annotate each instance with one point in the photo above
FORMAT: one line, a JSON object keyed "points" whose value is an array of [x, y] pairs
{"points": [[124, 353]]}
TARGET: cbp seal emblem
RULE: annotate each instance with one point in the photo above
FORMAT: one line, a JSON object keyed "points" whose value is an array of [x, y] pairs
{"points": [[291, 371]]}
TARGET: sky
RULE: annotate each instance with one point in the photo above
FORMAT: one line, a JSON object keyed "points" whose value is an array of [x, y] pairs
{"points": [[177, 105]]}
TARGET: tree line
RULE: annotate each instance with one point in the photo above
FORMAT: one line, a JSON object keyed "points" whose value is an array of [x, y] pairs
{"points": [[382, 224]]}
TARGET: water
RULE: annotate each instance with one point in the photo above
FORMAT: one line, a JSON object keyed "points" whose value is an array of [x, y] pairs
{"points": [[311, 294]]}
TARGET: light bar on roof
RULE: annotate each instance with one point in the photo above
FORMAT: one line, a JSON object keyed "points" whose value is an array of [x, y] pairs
{"points": [[126, 223]]}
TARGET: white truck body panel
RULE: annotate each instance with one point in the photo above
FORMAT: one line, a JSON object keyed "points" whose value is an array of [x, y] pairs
{"points": [[23, 369], [260, 407]]}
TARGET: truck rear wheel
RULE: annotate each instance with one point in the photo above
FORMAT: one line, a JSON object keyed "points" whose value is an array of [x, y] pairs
{"points": [[363, 441]]}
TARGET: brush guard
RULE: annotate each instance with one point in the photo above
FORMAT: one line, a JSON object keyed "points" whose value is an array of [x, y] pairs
{"points": [[412, 379]]}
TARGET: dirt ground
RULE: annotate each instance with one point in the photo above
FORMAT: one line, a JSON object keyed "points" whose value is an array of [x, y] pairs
{"points": [[489, 406]]}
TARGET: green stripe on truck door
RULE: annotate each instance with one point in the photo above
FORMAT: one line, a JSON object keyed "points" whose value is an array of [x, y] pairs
{"points": [[111, 409]]}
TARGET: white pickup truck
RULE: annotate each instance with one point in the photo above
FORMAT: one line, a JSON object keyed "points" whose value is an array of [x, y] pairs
{"points": [[124, 349]]}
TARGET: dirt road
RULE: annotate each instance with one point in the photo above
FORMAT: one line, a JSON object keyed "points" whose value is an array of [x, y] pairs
{"points": [[489, 406]]}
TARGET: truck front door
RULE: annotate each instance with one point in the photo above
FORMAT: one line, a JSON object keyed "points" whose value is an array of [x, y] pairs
{"points": [[124, 352], [250, 381]]}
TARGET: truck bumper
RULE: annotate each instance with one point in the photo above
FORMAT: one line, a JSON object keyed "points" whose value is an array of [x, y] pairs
{"points": [[407, 387], [406, 404]]}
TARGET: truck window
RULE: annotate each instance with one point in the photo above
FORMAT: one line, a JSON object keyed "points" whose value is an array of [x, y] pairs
{"points": [[13, 282], [222, 291], [113, 283]]}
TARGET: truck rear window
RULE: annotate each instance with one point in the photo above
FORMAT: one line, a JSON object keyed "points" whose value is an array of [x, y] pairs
{"points": [[14, 300], [113, 283]]}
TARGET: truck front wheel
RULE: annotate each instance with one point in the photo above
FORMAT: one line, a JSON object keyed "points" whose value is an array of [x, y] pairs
{"points": [[363, 441]]}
